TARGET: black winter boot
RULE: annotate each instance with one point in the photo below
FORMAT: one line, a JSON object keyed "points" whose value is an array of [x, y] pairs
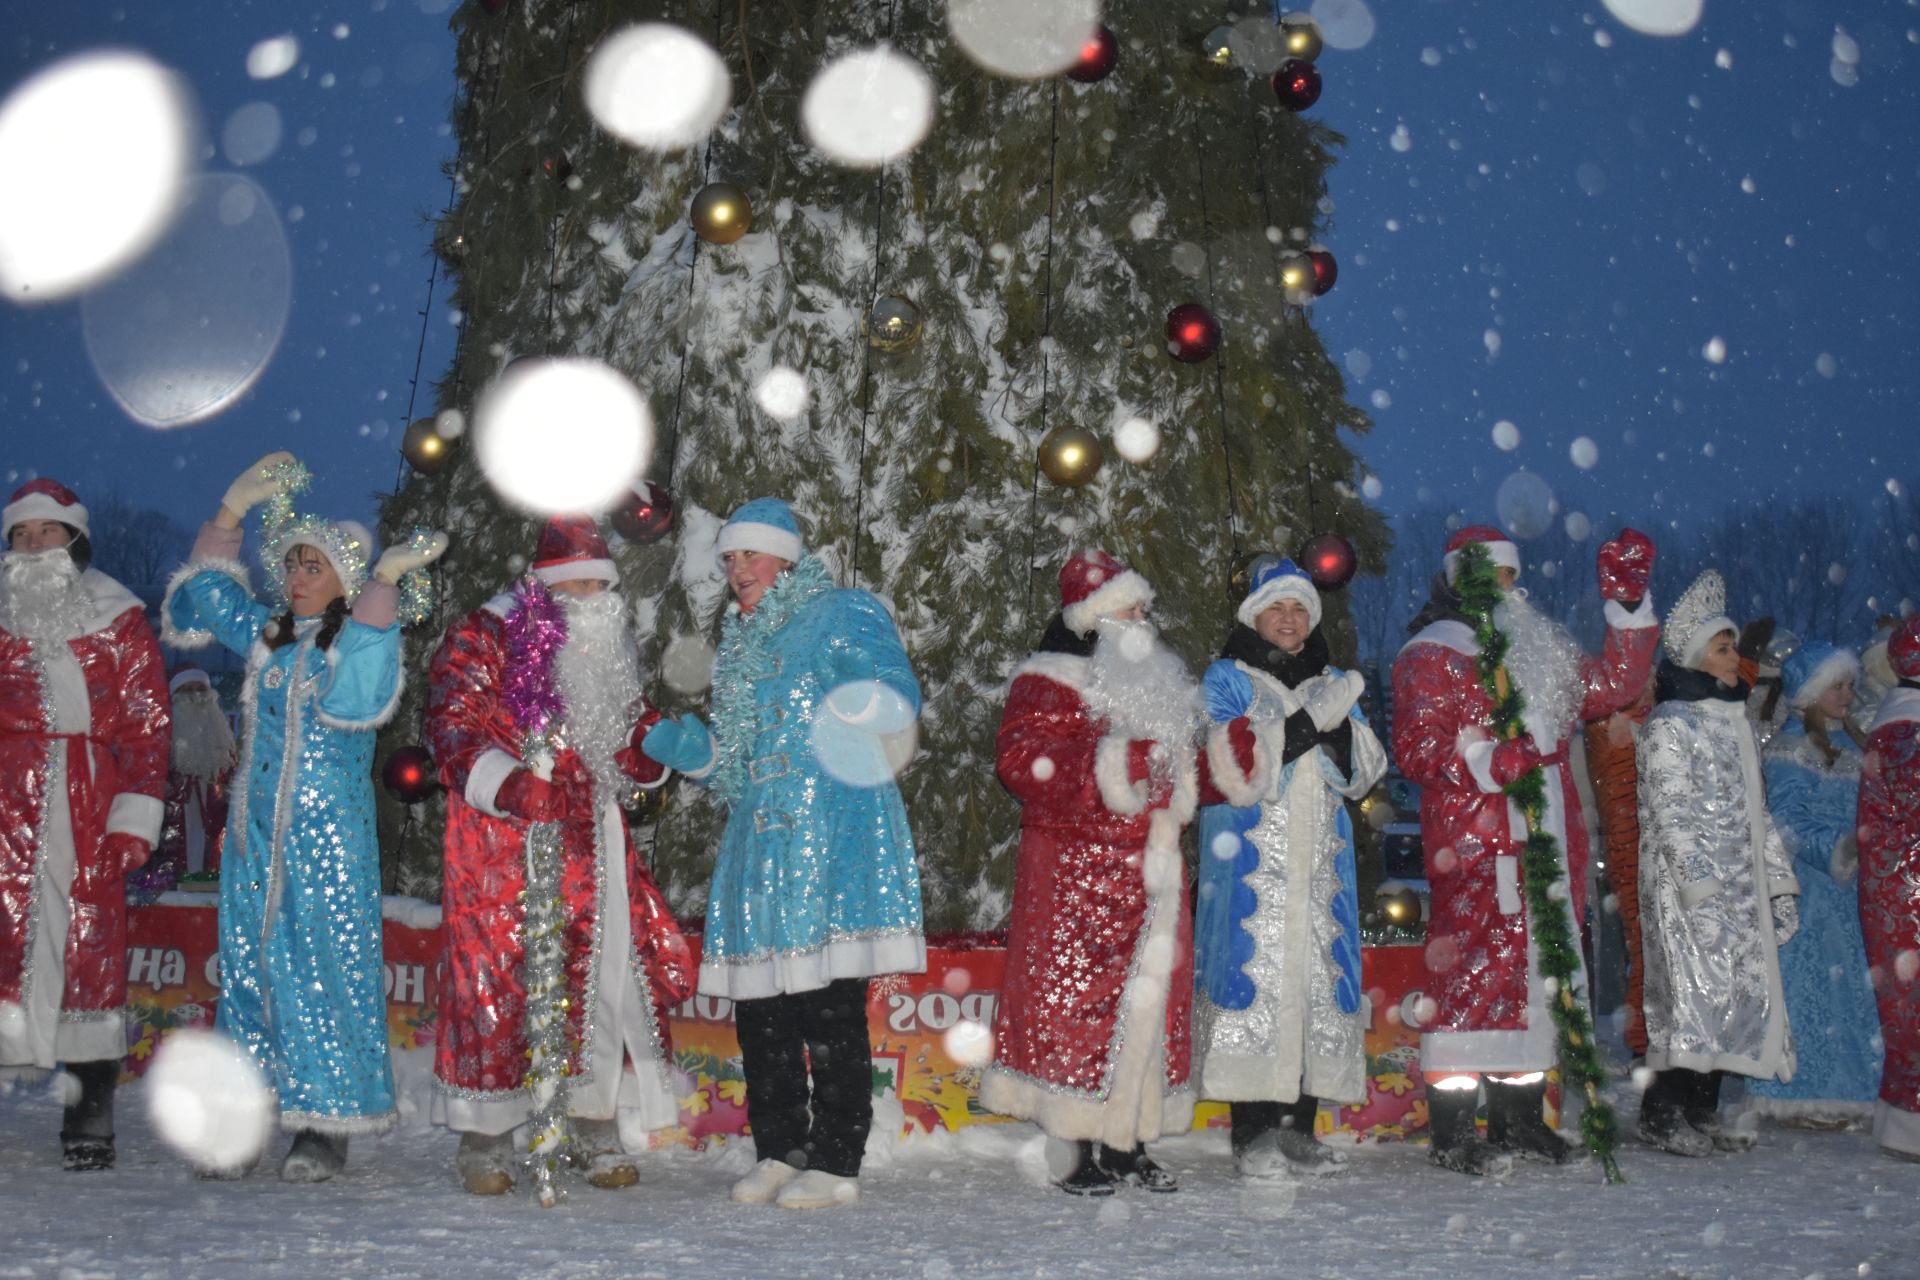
{"points": [[1138, 1168], [1701, 1107], [86, 1127], [1516, 1124], [1455, 1144], [314, 1157], [1087, 1177]]}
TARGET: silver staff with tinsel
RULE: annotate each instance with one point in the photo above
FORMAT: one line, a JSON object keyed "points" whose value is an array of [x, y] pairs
{"points": [[536, 629]]}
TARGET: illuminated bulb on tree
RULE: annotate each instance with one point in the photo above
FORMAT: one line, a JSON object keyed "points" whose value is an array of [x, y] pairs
{"points": [[1330, 561], [1217, 48], [424, 448], [1097, 57], [1325, 270], [1399, 906], [1300, 37], [1296, 84], [1070, 456], [721, 213], [645, 515], [408, 774], [1298, 277], [1193, 334]]}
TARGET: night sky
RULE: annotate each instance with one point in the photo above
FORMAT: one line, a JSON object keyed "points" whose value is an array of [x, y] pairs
{"points": [[1689, 261]]}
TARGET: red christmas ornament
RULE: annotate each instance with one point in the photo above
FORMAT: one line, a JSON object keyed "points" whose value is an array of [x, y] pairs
{"points": [[1193, 334], [1330, 561], [1097, 57], [646, 514], [1296, 84], [408, 774], [1325, 271]]}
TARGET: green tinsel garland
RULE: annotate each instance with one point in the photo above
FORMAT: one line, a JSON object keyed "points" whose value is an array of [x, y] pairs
{"points": [[1548, 918]]}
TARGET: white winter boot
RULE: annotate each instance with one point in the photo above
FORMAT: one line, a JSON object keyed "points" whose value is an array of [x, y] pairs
{"points": [[818, 1189], [763, 1182]]}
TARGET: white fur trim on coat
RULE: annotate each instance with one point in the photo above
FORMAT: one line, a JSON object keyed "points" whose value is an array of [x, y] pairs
{"points": [[484, 780], [1901, 704], [133, 814], [1113, 595], [1621, 618], [1061, 668], [1243, 789], [195, 637], [1111, 769], [1478, 755]]}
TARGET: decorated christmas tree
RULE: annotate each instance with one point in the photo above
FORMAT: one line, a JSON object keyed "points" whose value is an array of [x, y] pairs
{"points": [[1075, 314]]}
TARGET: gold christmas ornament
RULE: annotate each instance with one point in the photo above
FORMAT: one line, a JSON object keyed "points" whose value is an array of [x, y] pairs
{"points": [[1217, 48], [721, 213], [1297, 277], [1300, 36], [893, 324], [424, 448], [1071, 456], [1400, 906]]}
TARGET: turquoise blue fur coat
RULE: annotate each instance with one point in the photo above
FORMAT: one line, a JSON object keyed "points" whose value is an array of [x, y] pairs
{"points": [[816, 877], [302, 983]]}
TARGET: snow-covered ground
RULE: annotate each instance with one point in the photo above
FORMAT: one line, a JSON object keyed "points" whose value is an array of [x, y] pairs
{"points": [[971, 1204]]}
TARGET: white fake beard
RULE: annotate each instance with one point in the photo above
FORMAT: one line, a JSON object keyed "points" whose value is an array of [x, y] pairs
{"points": [[598, 674], [42, 597], [1543, 660], [1140, 687], [202, 740]]}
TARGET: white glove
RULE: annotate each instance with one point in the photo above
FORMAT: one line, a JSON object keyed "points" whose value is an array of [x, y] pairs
{"points": [[1335, 699], [398, 561], [1845, 860], [1786, 918], [256, 484]]}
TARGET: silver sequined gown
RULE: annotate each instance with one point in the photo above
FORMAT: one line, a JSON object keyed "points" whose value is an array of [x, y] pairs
{"points": [[1710, 860]]}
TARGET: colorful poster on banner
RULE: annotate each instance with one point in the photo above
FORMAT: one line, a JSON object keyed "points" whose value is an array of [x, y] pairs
{"points": [[931, 1032]]}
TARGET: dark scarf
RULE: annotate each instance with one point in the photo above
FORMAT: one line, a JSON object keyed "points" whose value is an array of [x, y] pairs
{"points": [[1909, 684], [1443, 605], [1290, 669], [1684, 684], [1060, 638]]}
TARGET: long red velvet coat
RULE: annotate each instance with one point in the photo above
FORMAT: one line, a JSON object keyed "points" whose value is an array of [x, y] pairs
{"points": [[481, 1047], [115, 735], [1889, 838], [1476, 955], [1081, 895]]}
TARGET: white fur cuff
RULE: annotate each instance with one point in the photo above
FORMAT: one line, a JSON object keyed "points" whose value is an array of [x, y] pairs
{"points": [[1118, 791], [1621, 618], [1479, 758], [133, 814], [1242, 789], [484, 780]]}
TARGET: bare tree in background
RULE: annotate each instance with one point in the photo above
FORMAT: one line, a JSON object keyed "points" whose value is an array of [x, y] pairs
{"points": [[1810, 563], [137, 545]]}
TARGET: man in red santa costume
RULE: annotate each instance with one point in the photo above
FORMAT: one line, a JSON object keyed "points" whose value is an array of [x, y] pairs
{"points": [[83, 750], [1099, 742], [1889, 839], [1484, 1011], [564, 629]]}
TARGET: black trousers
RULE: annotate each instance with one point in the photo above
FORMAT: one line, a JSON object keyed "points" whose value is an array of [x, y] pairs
{"points": [[1251, 1120], [785, 1038]]}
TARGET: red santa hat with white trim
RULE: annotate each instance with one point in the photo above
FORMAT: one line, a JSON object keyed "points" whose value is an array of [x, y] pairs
{"points": [[1094, 585], [1500, 548], [43, 500], [1903, 649], [572, 549], [186, 675]]}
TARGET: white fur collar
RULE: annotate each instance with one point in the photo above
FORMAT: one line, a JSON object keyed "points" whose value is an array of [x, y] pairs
{"points": [[1449, 633], [1900, 704], [1061, 668]]}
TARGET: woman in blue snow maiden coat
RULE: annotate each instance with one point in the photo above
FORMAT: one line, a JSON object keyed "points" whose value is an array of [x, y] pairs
{"points": [[300, 955], [815, 889], [1813, 786]]}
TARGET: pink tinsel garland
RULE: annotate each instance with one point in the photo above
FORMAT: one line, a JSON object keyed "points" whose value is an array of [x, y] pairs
{"points": [[536, 630]]}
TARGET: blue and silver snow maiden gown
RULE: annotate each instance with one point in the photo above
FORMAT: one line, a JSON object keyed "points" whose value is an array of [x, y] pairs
{"points": [[302, 983], [1830, 1002], [816, 877]]}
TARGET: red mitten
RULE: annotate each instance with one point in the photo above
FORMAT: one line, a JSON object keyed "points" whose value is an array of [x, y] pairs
{"points": [[1626, 567], [1139, 759], [1513, 758], [528, 796], [127, 852], [1240, 738]]}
